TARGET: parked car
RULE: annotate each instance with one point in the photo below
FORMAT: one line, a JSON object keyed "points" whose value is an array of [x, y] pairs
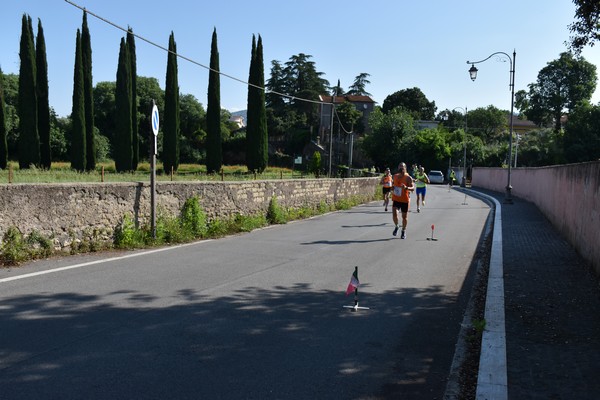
{"points": [[436, 176]]}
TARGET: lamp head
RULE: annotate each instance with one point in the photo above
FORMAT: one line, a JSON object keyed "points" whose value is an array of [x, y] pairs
{"points": [[473, 72]]}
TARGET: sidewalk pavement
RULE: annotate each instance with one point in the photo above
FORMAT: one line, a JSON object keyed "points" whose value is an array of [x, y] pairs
{"points": [[552, 309]]}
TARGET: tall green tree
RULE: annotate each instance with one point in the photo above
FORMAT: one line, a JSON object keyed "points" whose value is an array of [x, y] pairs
{"points": [[488, 123], [251, 141], [78, 136], [358, 88], [192, 124], [412, 100], [303, 81], [302, 76], [561, 85], [149, 90], [104, 110], [29, 140], [134, 100], [257, 156], [170, 155], [582, 134], [386, 144], [452, 120], [214, 149], [262, 134], [123, 152], [348, 116], [276, 86], [586, 28], [43, 103], [11, 100], [429, 147], [3, 131], [538, 148], [337, 90], [88, 96]]}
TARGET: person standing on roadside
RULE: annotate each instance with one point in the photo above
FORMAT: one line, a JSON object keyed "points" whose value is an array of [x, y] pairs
{"points": [[421, 184], [403, 185], [386, 184]]}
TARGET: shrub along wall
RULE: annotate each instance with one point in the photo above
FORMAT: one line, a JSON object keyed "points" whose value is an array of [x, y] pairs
{"points": [[68, 212]]}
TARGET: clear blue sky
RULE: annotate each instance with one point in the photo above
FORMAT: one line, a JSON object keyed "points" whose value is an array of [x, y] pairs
{"points": [[401, 44]]}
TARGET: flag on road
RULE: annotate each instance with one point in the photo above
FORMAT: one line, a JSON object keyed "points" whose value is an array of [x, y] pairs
{"points": [[353, 282]]}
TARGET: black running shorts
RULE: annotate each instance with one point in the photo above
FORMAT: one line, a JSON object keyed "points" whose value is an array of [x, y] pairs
{"points": [[402, 206]]}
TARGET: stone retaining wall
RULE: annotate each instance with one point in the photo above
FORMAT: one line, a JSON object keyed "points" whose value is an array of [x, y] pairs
{"points": [[68, 212]]}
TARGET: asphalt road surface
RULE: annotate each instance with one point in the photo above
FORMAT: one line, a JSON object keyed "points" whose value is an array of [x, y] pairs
{"points": [[253, 316]]}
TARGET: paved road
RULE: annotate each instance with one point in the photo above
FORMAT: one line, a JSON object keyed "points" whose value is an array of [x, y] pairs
{"points": [[252, 316]]}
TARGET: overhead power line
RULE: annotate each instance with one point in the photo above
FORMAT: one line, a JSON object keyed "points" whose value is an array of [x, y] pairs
{"points": [[189, 59]]}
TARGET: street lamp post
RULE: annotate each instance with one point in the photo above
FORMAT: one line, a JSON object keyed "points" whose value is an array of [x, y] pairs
{"points": [[473, 73], [331, 135]]}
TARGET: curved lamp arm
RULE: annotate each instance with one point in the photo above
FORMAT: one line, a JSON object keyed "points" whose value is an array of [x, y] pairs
{"points": [[473, 70]]}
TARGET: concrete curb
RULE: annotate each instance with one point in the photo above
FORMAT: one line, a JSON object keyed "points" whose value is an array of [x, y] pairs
{"points": [[492, 377], [453, 388]]}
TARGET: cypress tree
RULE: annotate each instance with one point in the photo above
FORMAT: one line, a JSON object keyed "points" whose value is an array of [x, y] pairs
{"points": [[134, 100], [214, 152], [88, 95], [262, 138], [29, 140], [3, 133], [257, 156], [78, 136], [124, 134], [251, 153], [170, 155], [43, 102]]}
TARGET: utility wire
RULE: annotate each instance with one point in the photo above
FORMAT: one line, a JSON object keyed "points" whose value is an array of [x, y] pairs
{"points": [[189, 59], [340, 122]]}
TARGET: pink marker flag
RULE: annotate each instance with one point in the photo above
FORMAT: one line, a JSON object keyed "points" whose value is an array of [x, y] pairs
{"points": [[353, 282]]}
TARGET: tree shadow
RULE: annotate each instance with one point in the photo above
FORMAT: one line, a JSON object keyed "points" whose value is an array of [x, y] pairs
{"points": [[364, 226], [343, 242], [293, 342]]}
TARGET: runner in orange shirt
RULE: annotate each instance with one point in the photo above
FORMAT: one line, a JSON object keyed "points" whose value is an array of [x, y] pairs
{"points": [[403, 185], [386, 184]]}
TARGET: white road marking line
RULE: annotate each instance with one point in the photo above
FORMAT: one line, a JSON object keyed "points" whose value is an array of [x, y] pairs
{"points": [[50, 271]]}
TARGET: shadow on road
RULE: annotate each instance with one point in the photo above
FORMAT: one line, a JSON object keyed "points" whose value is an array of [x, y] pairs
{"points": [[284, 342]]}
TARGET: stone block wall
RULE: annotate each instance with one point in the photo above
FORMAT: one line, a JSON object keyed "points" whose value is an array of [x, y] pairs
{"points": [[68, 212]]}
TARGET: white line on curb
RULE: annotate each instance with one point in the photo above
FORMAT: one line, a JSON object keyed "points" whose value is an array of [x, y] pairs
{"points": [[492, 377]]}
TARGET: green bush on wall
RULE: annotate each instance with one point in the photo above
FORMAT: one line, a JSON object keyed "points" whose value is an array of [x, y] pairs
{"points": [[193, 218], [13, 247], [275, 214]]}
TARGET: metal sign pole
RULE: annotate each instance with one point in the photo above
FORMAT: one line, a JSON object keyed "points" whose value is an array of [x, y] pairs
{"points": [[155, 124]]}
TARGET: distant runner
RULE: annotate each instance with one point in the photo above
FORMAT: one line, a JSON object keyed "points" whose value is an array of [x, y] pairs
{"points": [[386, 184], [421, 183]]}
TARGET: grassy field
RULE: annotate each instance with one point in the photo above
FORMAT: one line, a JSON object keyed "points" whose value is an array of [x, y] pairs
{"points": [[61, 172]]}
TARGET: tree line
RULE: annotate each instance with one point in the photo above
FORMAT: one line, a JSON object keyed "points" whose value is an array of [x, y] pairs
{"points": [[111, 120]]}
